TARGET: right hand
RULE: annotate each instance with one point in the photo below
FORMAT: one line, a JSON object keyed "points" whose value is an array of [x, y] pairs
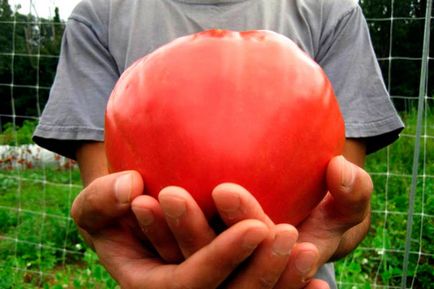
{"points": [[103, 213]]}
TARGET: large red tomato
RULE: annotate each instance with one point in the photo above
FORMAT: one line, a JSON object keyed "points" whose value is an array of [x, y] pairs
{"points": [[222, 106]]}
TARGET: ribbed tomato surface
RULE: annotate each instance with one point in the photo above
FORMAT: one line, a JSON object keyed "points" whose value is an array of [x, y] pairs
{"points": [[222, 106]]}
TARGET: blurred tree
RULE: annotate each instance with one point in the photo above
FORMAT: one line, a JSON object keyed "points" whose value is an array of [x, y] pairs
{"points": [[397, 32], [5, 9], [29, 48], [5, 57]]}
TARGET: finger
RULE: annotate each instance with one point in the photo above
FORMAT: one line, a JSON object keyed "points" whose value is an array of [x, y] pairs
{"points": [[234, 203], [185, 219], [105, 199], [215, 262], [302, 266], [351, 188], [269, 261], [317, 284], [151, 219], [207, 268]]}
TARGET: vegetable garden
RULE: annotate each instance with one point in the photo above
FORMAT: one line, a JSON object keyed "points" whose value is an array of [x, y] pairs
{"points": [[39, 243]]}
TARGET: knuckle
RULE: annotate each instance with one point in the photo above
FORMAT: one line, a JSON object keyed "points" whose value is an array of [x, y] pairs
{"points": [[129, 284], [356, 217], [180, 280], [90, 198], [266, 282], [93, 201], [307, 278], [358, 202], [85, 205], [187, 241], [368, 189], [361, 207], [270, 275], [77, 209], [304, 282], [367, 186], [180, 285], [75, 212]]}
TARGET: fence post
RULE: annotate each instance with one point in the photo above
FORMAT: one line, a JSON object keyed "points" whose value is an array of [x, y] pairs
{"points": [[422, 94]]}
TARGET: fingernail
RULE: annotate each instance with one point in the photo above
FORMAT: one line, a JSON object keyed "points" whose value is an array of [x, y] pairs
{"points": [[348, 174], [173, 207], [305, 261], [146, 217], [230, 205], [252, 239], [123, 188], [282, 244]]}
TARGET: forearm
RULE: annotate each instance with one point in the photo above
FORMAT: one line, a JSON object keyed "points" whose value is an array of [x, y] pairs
{"points": [[93, 164], [92, 161]]}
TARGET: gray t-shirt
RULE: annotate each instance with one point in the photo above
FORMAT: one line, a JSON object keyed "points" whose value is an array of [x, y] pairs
{"points": [[103, 37]]}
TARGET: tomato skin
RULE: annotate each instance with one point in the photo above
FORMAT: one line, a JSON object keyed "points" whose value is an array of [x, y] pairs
{"points": [[222, 106]]}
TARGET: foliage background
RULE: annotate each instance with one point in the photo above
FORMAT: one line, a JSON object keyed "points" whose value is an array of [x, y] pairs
{"points": [[40, 246]]}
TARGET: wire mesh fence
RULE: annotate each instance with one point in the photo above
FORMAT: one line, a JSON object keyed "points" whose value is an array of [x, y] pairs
{"points": [[39, 244]]}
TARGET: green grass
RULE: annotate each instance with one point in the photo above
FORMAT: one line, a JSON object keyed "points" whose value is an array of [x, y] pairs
{"points": [[379, 259], [34, 209], [40, 246]]}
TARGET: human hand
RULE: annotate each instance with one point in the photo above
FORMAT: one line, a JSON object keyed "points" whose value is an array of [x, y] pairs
{"points": [[103, 214], [337, 225], [177, 214], [334, 227], [320, 235]]}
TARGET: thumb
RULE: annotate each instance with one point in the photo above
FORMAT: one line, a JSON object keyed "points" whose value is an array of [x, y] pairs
{"points": [[106, 199], [350, 187]]}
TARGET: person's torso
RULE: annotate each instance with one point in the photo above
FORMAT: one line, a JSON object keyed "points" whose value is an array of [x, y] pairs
{"points": [[136, 28]]}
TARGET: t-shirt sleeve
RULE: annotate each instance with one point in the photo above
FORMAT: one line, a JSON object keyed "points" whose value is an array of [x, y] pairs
{"points": [[348, 58], [86, 75]]}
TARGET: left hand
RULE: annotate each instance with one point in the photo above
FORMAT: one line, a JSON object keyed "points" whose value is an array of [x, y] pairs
{"points": [[331, 230], [335, 227]]}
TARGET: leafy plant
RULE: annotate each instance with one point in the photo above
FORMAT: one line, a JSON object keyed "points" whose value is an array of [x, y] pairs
{"points": [[18, 135], [379, 259]]}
